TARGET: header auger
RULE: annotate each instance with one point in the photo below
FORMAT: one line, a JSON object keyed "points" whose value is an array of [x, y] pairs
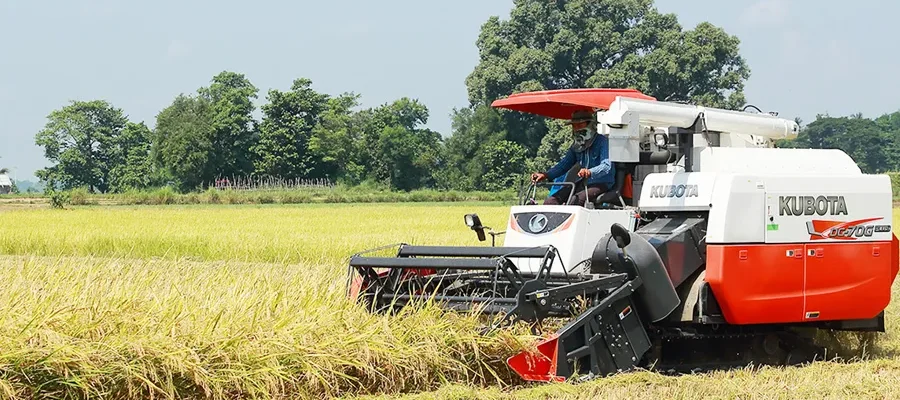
{"points": [[712, 247]]}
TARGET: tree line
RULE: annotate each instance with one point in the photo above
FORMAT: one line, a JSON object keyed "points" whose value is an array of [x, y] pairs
{"points": [[874, 144], [212, 134]]}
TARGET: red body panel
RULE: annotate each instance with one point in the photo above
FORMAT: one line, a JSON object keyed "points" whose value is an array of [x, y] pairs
{"points": [[775, 283], [847, 281], [756, 284], [895, 258]]}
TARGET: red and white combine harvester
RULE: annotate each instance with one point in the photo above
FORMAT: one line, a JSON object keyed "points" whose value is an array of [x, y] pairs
{"points": [[713, 247]]}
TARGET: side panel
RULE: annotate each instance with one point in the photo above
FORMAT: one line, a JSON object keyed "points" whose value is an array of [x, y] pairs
{"points": [[786, 283], [839, 208], [757, 284], [679, 191], [847, 281], [739, 207], [771, 161]]}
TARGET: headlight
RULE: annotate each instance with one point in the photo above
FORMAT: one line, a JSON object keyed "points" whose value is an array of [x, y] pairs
{"points": [[472, 220]]}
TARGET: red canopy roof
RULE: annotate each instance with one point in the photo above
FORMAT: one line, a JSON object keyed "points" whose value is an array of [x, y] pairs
{"points": [[562, 103]]}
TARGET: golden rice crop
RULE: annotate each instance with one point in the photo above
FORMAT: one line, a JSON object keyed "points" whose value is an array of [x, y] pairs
{"points": [[316, 234], [874, 379], [113, 302], [248, 301], [168, 328]]}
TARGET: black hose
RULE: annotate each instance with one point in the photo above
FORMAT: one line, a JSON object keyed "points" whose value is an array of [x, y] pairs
{"points": [[751, 105]]}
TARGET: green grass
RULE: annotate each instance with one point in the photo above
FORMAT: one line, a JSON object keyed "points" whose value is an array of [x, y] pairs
{"points": [[248, 302], [339, 194]]}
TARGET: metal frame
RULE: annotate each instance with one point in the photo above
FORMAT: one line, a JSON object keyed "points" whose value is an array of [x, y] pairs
{"points": [[479, 279]]}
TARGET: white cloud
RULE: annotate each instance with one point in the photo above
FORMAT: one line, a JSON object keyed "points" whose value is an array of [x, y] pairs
{"points": [[766, 12], [177, 49]]}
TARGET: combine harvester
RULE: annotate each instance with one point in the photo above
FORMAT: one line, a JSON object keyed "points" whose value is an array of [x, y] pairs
{"points": [[733, 249]]}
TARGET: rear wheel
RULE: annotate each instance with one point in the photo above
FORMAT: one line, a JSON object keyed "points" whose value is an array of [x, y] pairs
{"points": [[767, 349]]}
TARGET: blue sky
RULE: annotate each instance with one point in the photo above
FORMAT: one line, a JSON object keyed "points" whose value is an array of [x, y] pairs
{"points": [[806, 57]]}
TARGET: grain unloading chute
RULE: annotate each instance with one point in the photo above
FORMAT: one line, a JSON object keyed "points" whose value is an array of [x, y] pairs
{"points": [[712, 248]]}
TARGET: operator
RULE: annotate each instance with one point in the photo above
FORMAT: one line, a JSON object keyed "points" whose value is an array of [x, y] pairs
{"points": [[592, 151]]}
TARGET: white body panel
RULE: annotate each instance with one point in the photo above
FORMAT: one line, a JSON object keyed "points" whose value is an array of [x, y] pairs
{"points": [[624, 144], [677, 191], [738, 140], [737, 212], [751, 160], [576, 232], [757, 195], [654, 113], [794, 203]]}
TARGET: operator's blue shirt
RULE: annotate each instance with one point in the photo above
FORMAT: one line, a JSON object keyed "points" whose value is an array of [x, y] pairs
{"points": [[594, 158]]}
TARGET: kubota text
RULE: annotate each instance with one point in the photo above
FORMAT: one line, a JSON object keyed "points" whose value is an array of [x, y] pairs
{"points": [[810, 205]]}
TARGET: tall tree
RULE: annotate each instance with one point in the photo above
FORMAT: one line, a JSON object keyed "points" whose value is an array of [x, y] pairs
{"points": [[182, 142], [335, 144], [402, 153], [553, 147], [132, 167], [473, 129], [890, 125], [234, 131], [602, 43], [82, 140], [210, 135], [287, 127], [505, 163]]}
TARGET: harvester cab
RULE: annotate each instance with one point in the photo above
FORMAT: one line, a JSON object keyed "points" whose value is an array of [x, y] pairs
{"points": [[712, 248]]}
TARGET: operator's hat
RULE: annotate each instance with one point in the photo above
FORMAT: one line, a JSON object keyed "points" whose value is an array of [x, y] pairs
{"points": [[582, 116]]}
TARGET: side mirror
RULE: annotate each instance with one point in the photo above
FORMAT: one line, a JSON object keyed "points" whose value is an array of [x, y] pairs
{"points": [[621, 235], [474, 223]]}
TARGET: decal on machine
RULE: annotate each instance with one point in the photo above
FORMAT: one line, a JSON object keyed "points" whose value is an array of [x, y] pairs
{"points": [[537, 223], [844, 230], [812, 205], [664, 191]]}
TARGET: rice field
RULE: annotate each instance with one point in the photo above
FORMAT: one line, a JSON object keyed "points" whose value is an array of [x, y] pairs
{"points": [[239, 301]]}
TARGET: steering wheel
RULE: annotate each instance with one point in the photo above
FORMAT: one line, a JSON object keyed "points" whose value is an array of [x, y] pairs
{"points": [[572, 179]]}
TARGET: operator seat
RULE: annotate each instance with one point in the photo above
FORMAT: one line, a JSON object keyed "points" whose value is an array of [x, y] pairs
{"points": [[614, 196], [621, 190]]}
